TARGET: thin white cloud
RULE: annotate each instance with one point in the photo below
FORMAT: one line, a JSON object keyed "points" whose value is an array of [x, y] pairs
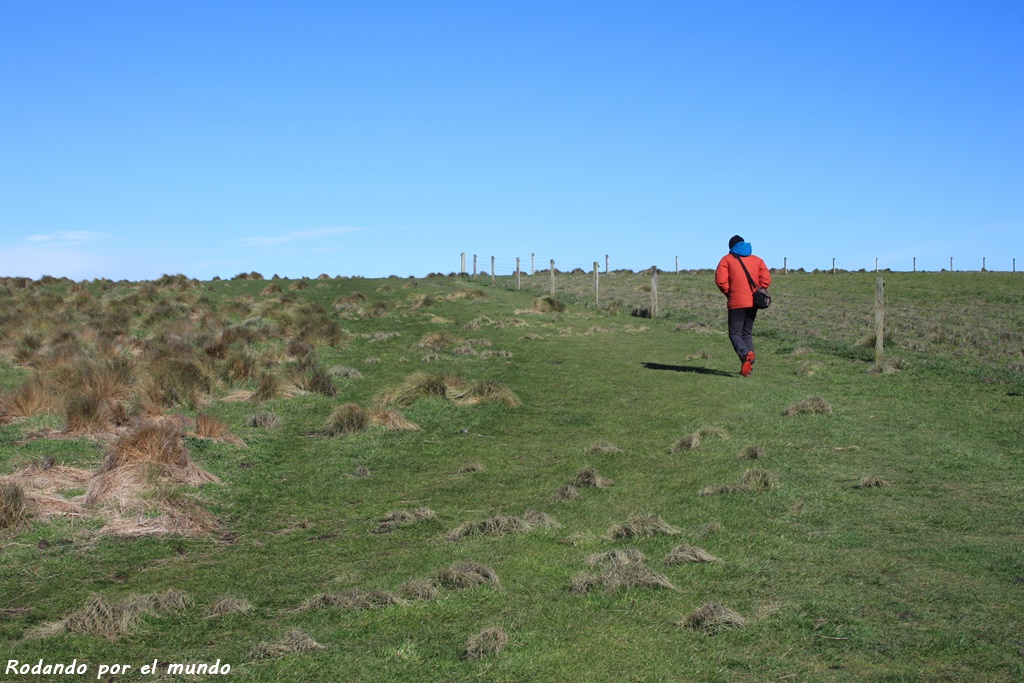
{"points": [[67, 238], [290, 237]]}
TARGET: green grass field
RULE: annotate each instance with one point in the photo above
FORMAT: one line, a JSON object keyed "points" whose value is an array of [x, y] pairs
{"points": [[883, 543]]}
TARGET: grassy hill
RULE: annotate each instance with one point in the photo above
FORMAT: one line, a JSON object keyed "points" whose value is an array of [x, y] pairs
{"points": [[441, 479]]}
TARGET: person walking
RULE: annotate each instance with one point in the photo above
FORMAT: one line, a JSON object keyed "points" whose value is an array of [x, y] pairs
{"points": [[733, 277]]}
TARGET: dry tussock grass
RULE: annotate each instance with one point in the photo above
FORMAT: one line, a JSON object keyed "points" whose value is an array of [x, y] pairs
{"points": [[642, 526], [815, 405], [228, 605], [296, 641], [548, 304], [403, 518], [449, 387], [112, 620], [264, 420], [350, 418], [418, 589], [753, 452], [686, 554], [47, 477], [588, 478], [489, 642], [693, 441], [468, 574], [712, 618], [621, 569], [12, 505], [567, 494], [352, 600], [753, 481], [210, 427], [873, 483], [504, 524]]}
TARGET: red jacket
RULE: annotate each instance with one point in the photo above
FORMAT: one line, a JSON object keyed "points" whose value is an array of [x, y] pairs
{"points": [[731, 279]]}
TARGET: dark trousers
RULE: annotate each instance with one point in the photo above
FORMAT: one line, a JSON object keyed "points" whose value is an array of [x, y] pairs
{"points": [[741, 330]]}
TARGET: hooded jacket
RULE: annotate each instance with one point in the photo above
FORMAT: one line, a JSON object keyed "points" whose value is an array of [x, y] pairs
{"points": [[732, 281]]}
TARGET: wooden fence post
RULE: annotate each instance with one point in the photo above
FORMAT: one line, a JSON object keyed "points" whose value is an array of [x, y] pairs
{"points": [[463, 271], [833, 265], [552, 271], [915, 264], [533, 265], [492, 270], [983, 264], [677, 265], [606, 264], [519, 276], [597, 285], [876, 264], [951, 264], [653, 291], [474, 266], [879, 324], [785, 265]]}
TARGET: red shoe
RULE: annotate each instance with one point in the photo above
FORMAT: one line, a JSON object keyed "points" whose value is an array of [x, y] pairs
{"points": [[748, 364]]}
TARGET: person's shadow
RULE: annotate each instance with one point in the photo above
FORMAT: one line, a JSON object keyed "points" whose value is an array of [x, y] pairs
{"points": [[686, 368]]}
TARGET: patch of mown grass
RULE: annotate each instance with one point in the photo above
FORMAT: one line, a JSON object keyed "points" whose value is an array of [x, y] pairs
{"points": [[917, 579]]}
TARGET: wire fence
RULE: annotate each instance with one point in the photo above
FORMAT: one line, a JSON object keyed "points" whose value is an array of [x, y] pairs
{"points": [[975, 318], [475, 264]]}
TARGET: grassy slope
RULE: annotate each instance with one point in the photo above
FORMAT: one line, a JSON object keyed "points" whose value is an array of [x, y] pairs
{"points": [[916, 581]]}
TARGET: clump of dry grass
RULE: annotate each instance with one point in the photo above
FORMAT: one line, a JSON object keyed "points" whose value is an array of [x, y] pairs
{"points": [[438, 341], [641, 526], [228, 605], [350, 418], [815, 405], [12, 505], [603, 448], [489, 642], [690, 442], [419, 385], [352, 600], [450, 387], [210, 427], [403, 518], [264, 420], [361, 472], [567, 493], [753, 452], [346, 419], [295, 642], [548, 304], [468, 574], [693, 441], [712, 618], [390, 419], [873, 483], [472, 468], [418, 589], [504, 524], [685, 554], [588, 478], [485, 390], [268, 386], [616, 557], [622, 569], [113, 620], [753, 481]]}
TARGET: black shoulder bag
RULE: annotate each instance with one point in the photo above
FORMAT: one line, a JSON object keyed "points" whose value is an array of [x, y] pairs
{"points": [[762, 299]]}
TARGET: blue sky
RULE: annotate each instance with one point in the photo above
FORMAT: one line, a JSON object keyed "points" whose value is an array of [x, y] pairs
{"points": [[388, 137]]}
